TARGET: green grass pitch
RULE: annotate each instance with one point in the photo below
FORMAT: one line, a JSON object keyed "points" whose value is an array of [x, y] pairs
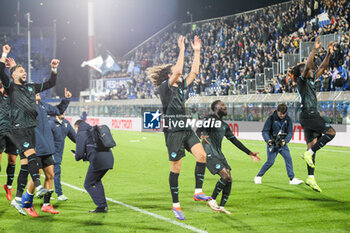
{"points": [[140, 179]]}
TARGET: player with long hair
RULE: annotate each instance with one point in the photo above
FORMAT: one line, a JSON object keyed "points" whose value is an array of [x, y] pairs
{"points": [[178, 137]]}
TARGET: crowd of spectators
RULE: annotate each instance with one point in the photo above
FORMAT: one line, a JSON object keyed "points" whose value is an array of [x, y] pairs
{"points": [[238, 47]]}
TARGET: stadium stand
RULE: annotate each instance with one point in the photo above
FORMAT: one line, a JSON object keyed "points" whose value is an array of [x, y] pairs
{"points": [[250, 52]]}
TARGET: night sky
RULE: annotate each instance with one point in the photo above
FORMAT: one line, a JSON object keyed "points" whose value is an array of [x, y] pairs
{"points": [[120, 25]]}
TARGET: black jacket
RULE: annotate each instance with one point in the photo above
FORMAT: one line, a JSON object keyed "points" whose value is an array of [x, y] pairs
{"points": [[85, 150]]}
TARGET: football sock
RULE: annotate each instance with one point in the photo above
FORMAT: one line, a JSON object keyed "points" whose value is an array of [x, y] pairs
{"points": [[22, 180], [47, 197], [321, 142], [198, 191], [176, 204], [226, 193], [34, 169], [310, 170], [199, 174], [311, 152], [219, 187], [10, 174], [174, 186]]}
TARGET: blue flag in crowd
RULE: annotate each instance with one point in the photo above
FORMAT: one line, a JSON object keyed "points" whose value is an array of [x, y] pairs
{"points": [[109, 64]]}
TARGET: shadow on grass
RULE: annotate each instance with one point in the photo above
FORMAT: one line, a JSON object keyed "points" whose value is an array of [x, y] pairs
{"points": [[99, 220], [2, 212], [85, 223], [234, 224], [319, 198]]}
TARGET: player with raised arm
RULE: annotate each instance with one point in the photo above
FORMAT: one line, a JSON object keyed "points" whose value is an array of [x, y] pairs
{"points": [[317, 131], [171, 88], [216, 161], [23, 121]]}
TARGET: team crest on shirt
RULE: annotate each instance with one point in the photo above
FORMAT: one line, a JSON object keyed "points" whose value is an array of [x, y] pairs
{"points": [[180, 91], [30, 88], [217, 166], [26, 144], [173, 154], [66, 125]]}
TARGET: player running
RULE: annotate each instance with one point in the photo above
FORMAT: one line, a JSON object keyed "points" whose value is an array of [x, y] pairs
{"points": [[317, 131], [171, 88], [216, 161], [23, 121]]}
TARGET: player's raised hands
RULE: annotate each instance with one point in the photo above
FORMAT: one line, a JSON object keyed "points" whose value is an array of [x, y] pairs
{"points": [[317, 43], [196, 43], [67, 93], [54, 63], [10, 62], [6, 48], [330, 47], [181, 42], [254, 156]]}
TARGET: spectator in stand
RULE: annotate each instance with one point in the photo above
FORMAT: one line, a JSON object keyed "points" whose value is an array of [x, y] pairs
{"points": [[339, 83], [270, 89], [326, 82], [277, 87]]}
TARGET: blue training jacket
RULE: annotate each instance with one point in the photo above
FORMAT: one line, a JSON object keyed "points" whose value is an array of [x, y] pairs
{"points": [[44, 144], [60, 130], [274, 124]]}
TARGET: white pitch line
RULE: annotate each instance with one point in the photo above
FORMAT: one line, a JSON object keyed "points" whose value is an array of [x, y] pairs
{"points": [[183, 225]]}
